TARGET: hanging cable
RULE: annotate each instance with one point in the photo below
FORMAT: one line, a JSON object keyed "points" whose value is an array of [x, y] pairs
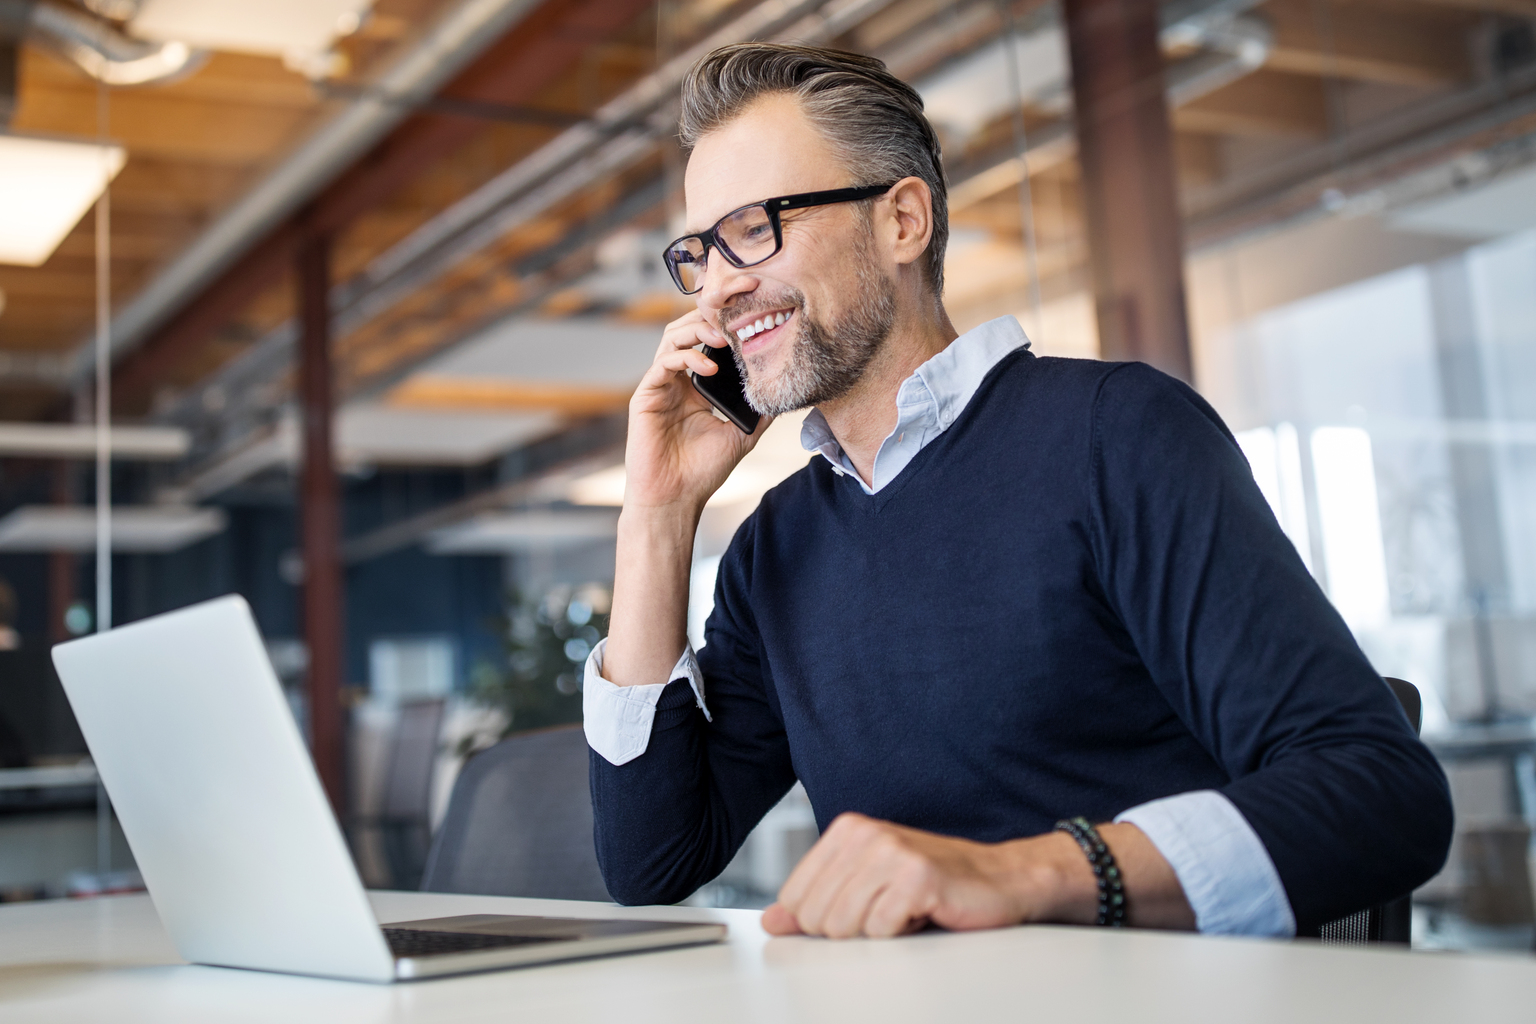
{"points": [[103, 385], [1021, 147], [103, 445]]}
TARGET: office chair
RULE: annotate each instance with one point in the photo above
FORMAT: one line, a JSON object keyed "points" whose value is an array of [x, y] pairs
{"points": [[1387, 923], [519, 822], [403, 822]]}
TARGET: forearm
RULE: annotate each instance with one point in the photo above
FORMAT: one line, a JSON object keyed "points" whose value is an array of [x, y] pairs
{"points": [[648, 627], [670, 819], [1053, 869], [656, 837], [876, 878], [1383, 809], [1154, 897]]}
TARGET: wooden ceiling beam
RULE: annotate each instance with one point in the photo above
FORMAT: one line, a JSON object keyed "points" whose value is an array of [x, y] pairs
{"points": [[150, 364], [549, 42], [546, 43], [502, 395], [166, 126], [1515, 8], [239, 78], [175, 188], [45, 282], [1265, 103], [1414, 46]]}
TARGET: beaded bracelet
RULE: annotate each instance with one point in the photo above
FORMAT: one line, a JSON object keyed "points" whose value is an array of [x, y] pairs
{"points": [[1105, 870]]}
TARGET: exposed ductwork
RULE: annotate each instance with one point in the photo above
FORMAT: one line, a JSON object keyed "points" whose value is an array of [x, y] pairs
{"points": [[617, 136], [445, 49], [1228, 44], [1232, 45], [95, 46]]}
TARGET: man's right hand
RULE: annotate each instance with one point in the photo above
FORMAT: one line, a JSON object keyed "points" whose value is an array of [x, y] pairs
{"points": [[678, 452]]}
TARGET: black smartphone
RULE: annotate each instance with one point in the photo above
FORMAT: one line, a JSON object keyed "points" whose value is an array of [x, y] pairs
{"points": [[725, 390]]}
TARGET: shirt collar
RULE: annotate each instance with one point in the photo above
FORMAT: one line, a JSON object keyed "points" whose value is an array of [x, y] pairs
{"points": [[943, 385]]}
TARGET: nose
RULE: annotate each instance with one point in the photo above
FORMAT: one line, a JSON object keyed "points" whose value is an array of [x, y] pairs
{"points": [[722, 283]]}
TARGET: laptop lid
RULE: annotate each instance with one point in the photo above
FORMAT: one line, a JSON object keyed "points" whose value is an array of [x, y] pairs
{"points": [[218, 797]]}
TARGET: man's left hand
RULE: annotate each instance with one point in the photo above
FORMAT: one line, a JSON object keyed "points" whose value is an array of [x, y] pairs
{"points": [[874, 878]]}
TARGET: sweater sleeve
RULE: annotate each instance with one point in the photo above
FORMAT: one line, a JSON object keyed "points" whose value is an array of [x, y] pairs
{"points": [[1234, 632], [671, 819]]}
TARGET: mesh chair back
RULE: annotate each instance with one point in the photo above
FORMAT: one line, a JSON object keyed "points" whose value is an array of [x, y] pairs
{"points": [[1390, 923], [412, 756], [519, 823], [404, 820]]}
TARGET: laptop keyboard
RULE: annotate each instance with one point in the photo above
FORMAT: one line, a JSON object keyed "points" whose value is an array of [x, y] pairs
{"points": [[415, 942]]}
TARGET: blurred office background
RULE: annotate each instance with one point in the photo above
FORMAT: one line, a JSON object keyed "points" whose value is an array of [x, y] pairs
{"points": [[373, 282]]}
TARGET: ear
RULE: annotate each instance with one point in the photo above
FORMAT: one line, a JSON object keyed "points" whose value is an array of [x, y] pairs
{"points": [[911, 219]]}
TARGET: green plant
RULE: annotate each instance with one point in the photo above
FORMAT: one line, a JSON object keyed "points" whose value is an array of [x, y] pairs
{"points": [[547, 640]]}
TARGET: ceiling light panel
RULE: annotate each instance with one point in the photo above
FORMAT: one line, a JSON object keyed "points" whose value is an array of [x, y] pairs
{"points": [[78, 441], [278, 28], [46, 185], [145, 528], [503, 532]]}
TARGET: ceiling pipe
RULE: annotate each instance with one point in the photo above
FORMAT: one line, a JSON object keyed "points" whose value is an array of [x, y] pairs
{"points": [[96, 47], [1229, 42], [623, 132], [1231, 48], [448, 46], [617, 136]]}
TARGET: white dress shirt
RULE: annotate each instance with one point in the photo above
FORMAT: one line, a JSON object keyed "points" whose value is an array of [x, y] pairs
{"points": [[1226, 873]]}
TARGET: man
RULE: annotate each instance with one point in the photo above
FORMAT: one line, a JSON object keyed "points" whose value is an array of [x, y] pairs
{"points": [[1015, 590]]}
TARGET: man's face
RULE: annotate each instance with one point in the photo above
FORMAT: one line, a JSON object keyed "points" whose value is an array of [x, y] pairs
{"points": [[837, 301]]}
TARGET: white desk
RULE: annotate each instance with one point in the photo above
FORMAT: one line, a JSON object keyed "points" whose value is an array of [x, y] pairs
{"points": [[109, 960]]}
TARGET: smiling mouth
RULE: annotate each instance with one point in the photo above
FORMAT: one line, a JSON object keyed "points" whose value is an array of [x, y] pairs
{"points": [[763, 324]]}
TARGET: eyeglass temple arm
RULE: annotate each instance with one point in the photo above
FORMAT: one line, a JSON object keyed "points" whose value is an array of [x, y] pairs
{"points": [[836, 195]]}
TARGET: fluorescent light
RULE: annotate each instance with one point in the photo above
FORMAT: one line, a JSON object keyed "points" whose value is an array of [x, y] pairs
{"points": [[78, 441], [747, 482], [777, 455], [501, 532], [151, 528], [605, 487], [276, 28], [379, 435], [46, 185]]}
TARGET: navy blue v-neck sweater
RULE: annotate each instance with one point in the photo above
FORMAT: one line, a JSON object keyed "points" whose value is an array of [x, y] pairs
{"points": [[1073, 601]]}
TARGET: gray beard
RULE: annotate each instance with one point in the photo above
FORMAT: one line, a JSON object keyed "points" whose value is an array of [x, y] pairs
{"points": [[826, 360]]}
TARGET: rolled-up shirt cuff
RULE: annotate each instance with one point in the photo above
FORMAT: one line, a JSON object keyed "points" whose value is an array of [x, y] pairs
{"points": [[1227, 874], [617, 719]]}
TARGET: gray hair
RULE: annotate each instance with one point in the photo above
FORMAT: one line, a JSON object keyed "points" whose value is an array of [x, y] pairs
{"points": [[874, 119]]}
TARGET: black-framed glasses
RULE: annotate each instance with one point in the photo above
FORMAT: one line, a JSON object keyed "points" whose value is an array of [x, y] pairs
{"points": [[749, 235]]}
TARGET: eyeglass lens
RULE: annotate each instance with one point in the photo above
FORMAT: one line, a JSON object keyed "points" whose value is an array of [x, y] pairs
{"points": [[747, 237]]}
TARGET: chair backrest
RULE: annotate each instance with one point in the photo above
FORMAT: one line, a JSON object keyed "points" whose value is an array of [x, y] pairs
{"points": [[519, 822], [1389, 923], [1408, 696], [412, 757]]}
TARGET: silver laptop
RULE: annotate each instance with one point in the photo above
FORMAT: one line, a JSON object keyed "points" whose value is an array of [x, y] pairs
{"points": [[224, 813]]}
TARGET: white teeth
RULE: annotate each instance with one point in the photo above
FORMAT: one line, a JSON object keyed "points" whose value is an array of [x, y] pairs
{"points": [[767, 323]]}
